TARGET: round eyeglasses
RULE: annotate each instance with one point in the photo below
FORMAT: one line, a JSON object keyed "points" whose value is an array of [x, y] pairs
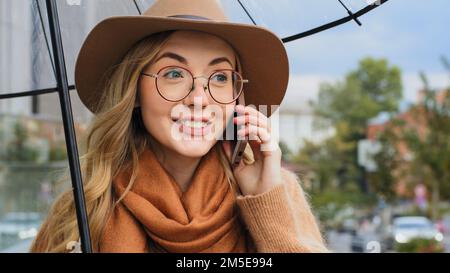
{"points": [[175, 83]]}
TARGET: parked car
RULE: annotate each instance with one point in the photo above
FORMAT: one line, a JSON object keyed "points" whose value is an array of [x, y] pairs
{"points": [[366, 243], [406, 228], [349, 225], [17, 226]]}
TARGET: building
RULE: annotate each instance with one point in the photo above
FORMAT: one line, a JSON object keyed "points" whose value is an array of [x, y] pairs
{"points": [[297, 124]]}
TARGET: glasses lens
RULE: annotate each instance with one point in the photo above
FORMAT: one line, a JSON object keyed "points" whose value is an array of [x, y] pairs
{"points": [[174, 83], [225, 86]]}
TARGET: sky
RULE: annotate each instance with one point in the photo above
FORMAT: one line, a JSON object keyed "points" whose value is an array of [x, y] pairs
{"points": [[411, 34]]}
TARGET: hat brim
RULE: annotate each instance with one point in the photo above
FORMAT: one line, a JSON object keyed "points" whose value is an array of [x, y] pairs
{"points": [[262, 55]]}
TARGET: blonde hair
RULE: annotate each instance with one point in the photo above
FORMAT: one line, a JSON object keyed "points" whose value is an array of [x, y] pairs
{"points": [[113, 141]]}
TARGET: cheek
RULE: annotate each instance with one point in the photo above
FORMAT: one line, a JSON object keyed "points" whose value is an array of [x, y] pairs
{"points": [[155, 110]]}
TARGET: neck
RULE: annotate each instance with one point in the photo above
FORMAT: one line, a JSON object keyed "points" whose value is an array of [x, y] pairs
{"points": [[181, 167]]}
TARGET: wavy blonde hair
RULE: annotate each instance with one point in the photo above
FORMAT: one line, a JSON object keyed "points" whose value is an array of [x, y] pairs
{"points": [[113, 141]]}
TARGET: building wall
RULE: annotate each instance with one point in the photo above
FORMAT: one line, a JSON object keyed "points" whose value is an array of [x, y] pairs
{"points": [[296, 126]]}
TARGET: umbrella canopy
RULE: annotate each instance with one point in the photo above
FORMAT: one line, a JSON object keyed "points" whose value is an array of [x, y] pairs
{"points": [[40, 40], [28, 41]]}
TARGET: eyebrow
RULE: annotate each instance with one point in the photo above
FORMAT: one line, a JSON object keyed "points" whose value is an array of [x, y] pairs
{"points": [[183, 60]]}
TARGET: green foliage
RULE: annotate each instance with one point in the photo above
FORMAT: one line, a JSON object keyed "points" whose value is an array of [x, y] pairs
{"points": [[426, 137], [372, 88], [331, 205], [432, 148], [347, 106], [326, 160], [425, 134], [58, 153], [18, 149], [383, 180], [342, 198], [285, 151], [420, 245]]}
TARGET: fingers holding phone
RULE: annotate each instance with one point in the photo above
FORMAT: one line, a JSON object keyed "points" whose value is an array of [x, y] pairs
{"points": [[255, 126], [265, 171]]}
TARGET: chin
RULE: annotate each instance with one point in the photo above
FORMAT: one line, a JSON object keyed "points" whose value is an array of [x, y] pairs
{"points": [[192, 147]]}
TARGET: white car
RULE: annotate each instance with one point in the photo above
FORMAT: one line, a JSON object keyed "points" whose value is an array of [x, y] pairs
{"points": [[406, 228]]}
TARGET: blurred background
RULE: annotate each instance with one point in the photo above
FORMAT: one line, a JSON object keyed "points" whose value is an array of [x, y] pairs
{"points": [[365, 123]]}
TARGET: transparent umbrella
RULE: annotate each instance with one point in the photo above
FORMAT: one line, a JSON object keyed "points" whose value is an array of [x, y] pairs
{"points": [[40, 40]]}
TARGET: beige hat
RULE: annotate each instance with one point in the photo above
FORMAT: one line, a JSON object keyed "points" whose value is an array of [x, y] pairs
{"points": [[262, 54]]}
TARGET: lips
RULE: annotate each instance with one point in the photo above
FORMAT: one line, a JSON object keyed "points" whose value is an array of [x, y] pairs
{"points": [[194, 126]]}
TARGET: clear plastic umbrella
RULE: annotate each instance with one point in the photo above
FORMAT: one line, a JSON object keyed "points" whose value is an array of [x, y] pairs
{"points": [[40, 40]]}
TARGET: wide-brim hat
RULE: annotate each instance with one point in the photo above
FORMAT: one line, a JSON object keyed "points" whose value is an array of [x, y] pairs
{"points": [[262, 54]]}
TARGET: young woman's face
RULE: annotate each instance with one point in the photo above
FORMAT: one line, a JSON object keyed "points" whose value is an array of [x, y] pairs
{"points": [[189, 126]]}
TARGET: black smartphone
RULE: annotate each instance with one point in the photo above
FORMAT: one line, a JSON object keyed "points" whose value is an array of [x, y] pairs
{"points": [[238, 152], [238, 145]]}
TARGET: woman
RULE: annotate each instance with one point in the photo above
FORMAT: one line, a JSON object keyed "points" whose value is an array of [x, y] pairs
{"points": [[157, 175]]}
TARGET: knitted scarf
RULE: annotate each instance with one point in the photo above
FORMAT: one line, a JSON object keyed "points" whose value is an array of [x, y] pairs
{"points": [[156, 216]]}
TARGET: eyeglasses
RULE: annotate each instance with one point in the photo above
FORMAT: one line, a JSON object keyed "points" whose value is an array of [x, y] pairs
{"points": [[175, 83]]}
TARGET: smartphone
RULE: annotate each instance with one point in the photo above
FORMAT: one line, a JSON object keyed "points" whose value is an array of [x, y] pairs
{"points": [[238, 152], [238, 145]]}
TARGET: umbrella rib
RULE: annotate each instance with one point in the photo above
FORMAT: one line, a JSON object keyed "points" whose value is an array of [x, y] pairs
{"points": [[350, 13], [248, 13], [334, 23], [137, 7], [32, 93], [45, 36]]}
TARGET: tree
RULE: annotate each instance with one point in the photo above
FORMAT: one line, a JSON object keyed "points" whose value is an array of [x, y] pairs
{"points": [[18, 150], [285, 151], [383, 181], [319, 159], [417, 146], [374, 87], [431, 147]]}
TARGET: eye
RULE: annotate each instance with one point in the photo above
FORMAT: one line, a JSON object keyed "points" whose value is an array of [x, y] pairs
{"points": [[220, 77], [173, 74]]}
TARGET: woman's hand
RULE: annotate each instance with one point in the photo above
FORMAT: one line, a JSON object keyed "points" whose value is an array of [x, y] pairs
{"points": [[265, 172]]}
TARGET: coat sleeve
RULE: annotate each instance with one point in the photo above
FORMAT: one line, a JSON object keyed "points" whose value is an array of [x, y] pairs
{"points": [[281, 220]]}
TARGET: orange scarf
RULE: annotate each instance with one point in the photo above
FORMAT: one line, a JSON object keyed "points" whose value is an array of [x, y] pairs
{"points": [[156, 216]]}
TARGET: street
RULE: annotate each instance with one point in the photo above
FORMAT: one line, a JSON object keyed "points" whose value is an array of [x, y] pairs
{"points": [[341, 242]]}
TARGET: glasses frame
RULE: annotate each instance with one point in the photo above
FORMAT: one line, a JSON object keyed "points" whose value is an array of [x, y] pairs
{"points": [[156, 76]]}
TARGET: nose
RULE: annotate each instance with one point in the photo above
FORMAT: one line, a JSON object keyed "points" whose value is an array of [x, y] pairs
{"points": [[199, 92]]}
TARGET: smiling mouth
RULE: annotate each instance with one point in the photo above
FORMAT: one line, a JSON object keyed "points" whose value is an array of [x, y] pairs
{"points": [[194, 126]]}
